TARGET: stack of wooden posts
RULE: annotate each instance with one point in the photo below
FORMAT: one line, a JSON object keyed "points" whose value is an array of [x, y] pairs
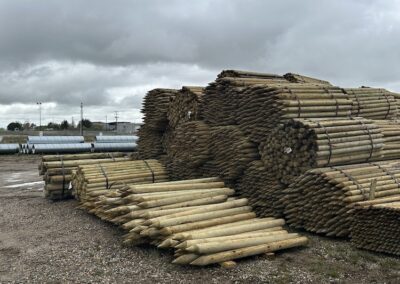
{"points": [[190, 150], [261, 187], [232, 152], [323, 200], [92, 181], [221, 98], [186, 106], [262, 107], [376, 225], [301, 144], [297, 78], [57, 170], [373, 103], [197, 218], [155, 107]]}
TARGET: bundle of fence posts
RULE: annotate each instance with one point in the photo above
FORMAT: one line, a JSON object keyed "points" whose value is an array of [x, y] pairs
{"points": [[198, 218], [57, 170], [155, 107], [93, 181], [190, 150], [301, 144], [323, 200], [260, 186], [221, 98], [186, 106], [376, 225]]}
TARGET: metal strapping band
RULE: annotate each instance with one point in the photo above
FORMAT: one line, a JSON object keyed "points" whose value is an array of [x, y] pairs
{"points": [[370, 138], [298, 101], [359, 186], [63, 174], [387, 99], [111, 156], [104, 174], [329, 141], [389, 173], [151, 170], [333, 98], [358, 101]]}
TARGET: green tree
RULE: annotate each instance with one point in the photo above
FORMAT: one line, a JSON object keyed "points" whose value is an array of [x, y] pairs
{"points": [[53, 125], [14, 126], [64, 124], [86, 124]]}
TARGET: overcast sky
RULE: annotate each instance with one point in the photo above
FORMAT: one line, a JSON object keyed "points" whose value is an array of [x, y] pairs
{"points": [[107, 54]]}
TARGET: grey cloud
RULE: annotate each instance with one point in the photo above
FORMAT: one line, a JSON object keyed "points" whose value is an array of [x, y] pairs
{"points": [[109, 53]]}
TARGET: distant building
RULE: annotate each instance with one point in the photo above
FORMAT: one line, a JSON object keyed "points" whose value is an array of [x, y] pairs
{"points": [[123, 126]]}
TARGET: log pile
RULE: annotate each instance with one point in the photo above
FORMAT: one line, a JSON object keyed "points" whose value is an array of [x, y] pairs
{"points": [[189, 151], [376, 225], [198, 219], [323, 200], [261, 188], [221, 98], [57, 170], [297, 78], [262, 107], [301, 144], [93, 181], [372, 103], [186, 106], [232, 152], [155, 108]]}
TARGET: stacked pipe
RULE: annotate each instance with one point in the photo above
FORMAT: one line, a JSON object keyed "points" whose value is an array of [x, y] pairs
{"points": [[221, 98], [261, 107], [190, 150], [199, 219], [322, 200], [373, 103], [231, 151], [260, 187], [92, 181], [376, 225], [155, 108], [57, 171], [186, 106]]}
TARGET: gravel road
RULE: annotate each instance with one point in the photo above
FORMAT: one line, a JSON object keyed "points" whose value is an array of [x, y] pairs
{"points": [[53, 242]]}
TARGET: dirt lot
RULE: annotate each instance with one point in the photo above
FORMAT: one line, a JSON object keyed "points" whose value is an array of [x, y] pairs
{"points": [[53, 242]]}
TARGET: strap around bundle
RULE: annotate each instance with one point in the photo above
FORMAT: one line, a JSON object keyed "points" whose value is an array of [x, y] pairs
{"points": [[104, 174], [329, 141], [151, 170], [359, 186]]}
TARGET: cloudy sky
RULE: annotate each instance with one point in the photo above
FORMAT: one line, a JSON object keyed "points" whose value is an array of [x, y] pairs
{"points": [[107, 54]]}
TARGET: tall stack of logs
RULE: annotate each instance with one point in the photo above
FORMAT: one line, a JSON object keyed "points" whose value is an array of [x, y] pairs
{"points": [[260, 187], [186, 106], [57, 170], [155, 107], [323, 199], [376, 225], [190, 150], [262, 107]]}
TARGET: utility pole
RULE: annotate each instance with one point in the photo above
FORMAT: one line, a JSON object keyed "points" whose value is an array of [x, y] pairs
{"points": [[81, 119], [116, 121], [106, 123], [40, 114]]}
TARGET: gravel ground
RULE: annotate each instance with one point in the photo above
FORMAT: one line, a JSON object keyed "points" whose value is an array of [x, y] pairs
{"points": [[53, 242]]}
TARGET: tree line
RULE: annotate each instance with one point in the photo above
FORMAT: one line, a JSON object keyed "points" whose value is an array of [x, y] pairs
{"points": [[64, 125]]}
